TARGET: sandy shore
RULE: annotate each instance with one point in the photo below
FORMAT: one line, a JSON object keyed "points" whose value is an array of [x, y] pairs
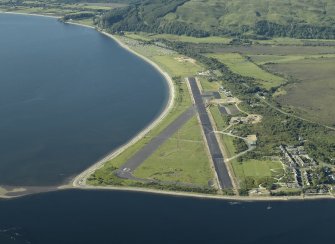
{"points": [[79, 181], [39, 15], [24, 191]]}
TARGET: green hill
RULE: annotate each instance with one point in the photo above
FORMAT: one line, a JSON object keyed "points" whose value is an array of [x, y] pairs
{"points": [[255, 18]]}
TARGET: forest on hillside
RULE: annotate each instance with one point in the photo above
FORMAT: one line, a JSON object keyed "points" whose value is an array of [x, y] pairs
{"points": [[257, 19]]}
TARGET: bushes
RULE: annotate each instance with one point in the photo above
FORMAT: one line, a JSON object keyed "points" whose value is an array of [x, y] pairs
{"points": [[240, 145], [286, 193], [147, 16], [295, 30], [83, 15]]}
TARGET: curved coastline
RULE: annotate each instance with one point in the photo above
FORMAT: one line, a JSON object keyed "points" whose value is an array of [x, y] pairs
{"points": [[79, 182]]}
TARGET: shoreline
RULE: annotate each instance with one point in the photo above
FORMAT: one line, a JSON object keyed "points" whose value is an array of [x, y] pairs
{"points": [[79, 181], [28, 14], [237, 199]]}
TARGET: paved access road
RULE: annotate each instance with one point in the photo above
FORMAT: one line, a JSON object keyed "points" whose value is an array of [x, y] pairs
{"points": [[213, 145], [139, 157]]}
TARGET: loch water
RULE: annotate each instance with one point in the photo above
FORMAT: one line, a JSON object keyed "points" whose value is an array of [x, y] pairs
{"points": [[107, 217], [68, 96]]}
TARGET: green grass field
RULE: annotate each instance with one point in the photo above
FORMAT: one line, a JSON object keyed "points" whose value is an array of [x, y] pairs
{"points": [[170, 61], [182, 38], [313, 95], [182, 158], [240, 65], [287, 41], [259, 170], [219, 121], [279, 50], [209, 86], [228, 145], [279, 59], [174, 66]]}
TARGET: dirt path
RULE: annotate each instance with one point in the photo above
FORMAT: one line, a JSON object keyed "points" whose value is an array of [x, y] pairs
{"points": [[292, 115]]}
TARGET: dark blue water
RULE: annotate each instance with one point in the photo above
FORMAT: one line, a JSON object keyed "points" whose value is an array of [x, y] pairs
{"points": [[123, 217], [68, 96]]}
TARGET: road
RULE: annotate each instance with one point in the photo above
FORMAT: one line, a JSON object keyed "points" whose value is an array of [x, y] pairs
{"points": [[140, 156], [213, 145]]}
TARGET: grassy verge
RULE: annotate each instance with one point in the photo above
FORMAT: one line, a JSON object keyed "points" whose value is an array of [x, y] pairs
{"points": [[150, 36], [240, 65], [182, 158], [219, 121], [278, 59], [209, 85], [228, 145]]}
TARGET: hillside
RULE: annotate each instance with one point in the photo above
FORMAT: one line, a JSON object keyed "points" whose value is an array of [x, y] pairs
{"points": [[256, 18]]}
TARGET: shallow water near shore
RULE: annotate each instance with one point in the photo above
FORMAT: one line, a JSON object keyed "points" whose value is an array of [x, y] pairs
{"points": [[68, 96], [75, 216]]}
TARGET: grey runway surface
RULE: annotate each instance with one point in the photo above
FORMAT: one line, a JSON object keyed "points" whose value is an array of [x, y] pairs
{"points": [[213, 145], [138, 158]]}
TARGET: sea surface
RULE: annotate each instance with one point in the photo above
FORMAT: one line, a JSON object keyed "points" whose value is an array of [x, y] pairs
{"points": [[68, 96], [106, 217]]}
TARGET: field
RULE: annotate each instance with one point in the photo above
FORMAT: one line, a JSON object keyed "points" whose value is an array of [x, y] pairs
{"points": [[281, 59], [181, 38], [310, 70], [228, 146], [295, 42], [279, 50], [174, 64], [259, 170], [238, 64], [312, 96], [57, 9], [180, 159], [209, 86], [219, 121]]}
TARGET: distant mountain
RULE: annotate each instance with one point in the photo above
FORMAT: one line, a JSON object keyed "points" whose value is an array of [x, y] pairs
{"points": [[250, 18]]}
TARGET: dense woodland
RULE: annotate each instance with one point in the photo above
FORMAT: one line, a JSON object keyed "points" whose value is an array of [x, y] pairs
{"points": [[308, 19], [147, 16]]}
